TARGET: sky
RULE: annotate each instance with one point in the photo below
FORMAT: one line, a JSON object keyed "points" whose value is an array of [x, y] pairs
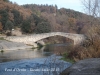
{"points": [[69, 4]]}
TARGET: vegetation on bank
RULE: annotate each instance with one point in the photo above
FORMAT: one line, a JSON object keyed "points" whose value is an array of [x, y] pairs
{"points": [[66, 58], [1, 51]]}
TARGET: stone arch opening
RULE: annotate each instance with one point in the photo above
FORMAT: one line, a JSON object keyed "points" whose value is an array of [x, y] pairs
{"points": [[57, 39]]}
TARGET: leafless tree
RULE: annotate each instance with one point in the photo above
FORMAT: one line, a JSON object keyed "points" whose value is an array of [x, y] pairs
{"points": [[92, 7]]}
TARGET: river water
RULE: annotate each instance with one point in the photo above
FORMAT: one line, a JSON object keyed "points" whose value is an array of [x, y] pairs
{"points": [[33, 53], [44, 61]]}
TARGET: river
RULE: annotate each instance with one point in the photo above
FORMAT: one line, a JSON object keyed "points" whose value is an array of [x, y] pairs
{"points": [[34, 62]]}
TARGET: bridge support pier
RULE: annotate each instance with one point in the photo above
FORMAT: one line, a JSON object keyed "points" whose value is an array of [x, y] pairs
{"points": [[41, 42], [35, 45]]}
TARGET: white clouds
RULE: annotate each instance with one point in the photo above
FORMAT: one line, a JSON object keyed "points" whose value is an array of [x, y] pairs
{"points": [[72, 4]]}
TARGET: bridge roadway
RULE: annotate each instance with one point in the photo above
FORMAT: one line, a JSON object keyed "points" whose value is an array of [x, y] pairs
{"points": [[32, 39]]}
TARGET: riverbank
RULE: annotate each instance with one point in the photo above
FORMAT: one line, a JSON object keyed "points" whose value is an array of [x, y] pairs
{"points": [[8, 45]]}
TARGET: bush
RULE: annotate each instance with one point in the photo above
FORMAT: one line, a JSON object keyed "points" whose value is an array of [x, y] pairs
{"points": [[8, 34]]}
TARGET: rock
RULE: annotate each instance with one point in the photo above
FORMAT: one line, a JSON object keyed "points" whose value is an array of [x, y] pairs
{"points": [[8, 45], [84, 67]]}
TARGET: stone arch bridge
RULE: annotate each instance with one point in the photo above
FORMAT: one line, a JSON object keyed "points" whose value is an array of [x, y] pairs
{"points": [[32, 39]]}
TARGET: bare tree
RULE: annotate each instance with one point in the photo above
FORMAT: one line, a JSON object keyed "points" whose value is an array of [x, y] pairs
{"points": [[92, 7]]}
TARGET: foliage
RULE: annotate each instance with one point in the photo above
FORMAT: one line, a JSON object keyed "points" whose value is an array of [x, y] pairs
{"points": [[1, 51], [72, 22], [4, 17], [9, 25], [26, 26], [17, 17], [1, 27], [37, 20], [43, 27], [63, 20], [6, 0]]}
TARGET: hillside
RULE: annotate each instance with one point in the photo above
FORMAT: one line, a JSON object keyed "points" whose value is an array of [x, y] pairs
{"points": [[64, 20], [9, 7], [13, 16], [32, 18]]}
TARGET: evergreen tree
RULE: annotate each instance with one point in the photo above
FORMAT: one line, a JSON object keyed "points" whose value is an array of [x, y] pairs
{"points": [[43, 27], [26, 26], [17, 17], [9, 25], [4, 17]]}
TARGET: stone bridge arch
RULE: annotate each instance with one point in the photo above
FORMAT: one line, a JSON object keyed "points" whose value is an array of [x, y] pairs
{"points": [[57, 39], [31, 39], [77, 38]]}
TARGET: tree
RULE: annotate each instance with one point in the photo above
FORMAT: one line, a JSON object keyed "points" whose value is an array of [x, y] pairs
{"points": [[17, 17], [1, 27], [92, 7], [36, 19], [26, 26], [6, 0], [4, 17], [72, 23], [9, 25], [43, 27]]}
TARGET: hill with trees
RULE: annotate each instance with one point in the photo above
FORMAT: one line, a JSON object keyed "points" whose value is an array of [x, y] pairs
{"points": [[63, 20], [32, 18]]}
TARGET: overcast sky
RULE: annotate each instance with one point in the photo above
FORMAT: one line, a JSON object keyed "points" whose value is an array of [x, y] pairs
{"points": [[69, 4]]}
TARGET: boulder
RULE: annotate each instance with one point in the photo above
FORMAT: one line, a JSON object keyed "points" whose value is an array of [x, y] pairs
{"points": [[84, 67]]}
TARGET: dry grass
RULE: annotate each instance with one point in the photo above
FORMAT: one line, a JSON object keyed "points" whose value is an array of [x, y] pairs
{"points": [[92, 50]]}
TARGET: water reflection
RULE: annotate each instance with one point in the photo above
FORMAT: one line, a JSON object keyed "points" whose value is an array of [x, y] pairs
{"points": [[31, 54], [22, 54], [58, 49]]}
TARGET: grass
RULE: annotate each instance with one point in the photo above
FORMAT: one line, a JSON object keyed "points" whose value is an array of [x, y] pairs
{"points": [[65, 58], [68, 60]]}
